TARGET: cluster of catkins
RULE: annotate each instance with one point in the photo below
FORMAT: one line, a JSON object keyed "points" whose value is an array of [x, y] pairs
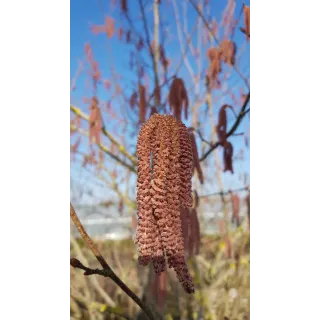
{"points": [[165, 166], [224, 53]]}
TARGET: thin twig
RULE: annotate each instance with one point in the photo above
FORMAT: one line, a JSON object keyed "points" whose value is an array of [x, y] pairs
{"points": [[241, 114], [106, 271], [105, 149], [122, 149], [224, 192], [215, 38], [93, 280]]}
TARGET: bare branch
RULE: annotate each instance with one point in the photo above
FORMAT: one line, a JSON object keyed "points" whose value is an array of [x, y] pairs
{"points": [[106, 150], [106, 271], [121, 148], [215, 38]]}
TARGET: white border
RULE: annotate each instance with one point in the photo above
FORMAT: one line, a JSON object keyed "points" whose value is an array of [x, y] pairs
{"points": [[284, 169], [34, 160]]}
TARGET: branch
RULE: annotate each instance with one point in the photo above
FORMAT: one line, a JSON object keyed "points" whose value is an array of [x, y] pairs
{"points": [[215, 38], [115, 187], [177, 18], [155, 53], [105, 149], [93, 280], [224, 192], [121, 148], [106, 271], [232, 130]]}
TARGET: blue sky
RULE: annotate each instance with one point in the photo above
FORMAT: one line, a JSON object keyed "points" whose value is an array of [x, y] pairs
{"points": [[110, 52]]}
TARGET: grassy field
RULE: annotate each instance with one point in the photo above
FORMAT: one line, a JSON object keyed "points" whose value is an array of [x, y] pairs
{"points": [[222, 283]]}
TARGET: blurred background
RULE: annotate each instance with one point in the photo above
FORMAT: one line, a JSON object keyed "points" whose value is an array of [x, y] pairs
{"points": [[124, 58]]}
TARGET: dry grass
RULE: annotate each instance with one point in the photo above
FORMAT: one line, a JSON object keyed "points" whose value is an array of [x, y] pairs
{"points": [[222, 285]]}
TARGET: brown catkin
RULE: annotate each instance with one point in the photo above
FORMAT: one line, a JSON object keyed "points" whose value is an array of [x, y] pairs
{"points": [[196, 161], [222, 125], [124, 6], [163, 187], [142, 103], [109, 25], [133, 100], [235, 203], [178, 98], [194, 240], [228, 50], [246, 11], [145, 228], [228, 157], [196, 199], [159, 289], [248, 207], [185, 224], [95, 122], [214, 55], [164, 61]]}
